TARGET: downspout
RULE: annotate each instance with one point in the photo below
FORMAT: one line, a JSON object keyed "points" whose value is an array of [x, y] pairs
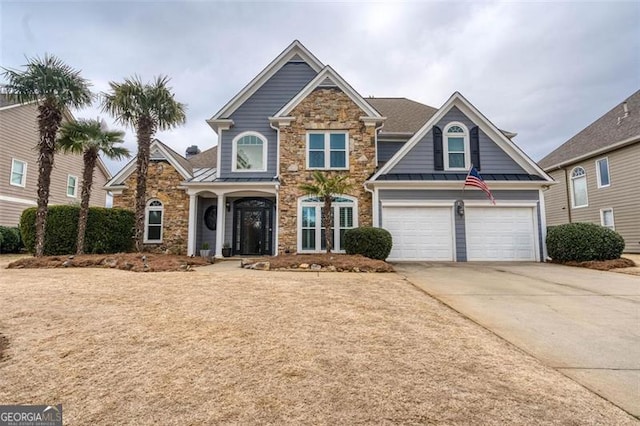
{"points": [[374, 198], [276, 231], [566, 188]]}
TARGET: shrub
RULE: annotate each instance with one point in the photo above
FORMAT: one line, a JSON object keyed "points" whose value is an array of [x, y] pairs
{"points": [[10, 241], [581, 242], [108, 230], [374, 243]]}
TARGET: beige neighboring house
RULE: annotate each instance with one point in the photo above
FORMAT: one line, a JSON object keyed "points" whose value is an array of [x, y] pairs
{"points": [[597, 172], [19, 166]]}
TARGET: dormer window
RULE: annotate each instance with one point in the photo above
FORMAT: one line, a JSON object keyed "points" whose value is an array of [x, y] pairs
{"points": [[456, 147], [249, 152]]}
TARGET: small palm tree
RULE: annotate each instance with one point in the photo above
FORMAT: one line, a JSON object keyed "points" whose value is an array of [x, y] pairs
{"points": [[89, 138], [326, 188], [56, 87], [147, 108]]}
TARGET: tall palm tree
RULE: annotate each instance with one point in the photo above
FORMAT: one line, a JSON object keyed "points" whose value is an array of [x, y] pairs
{"points": [[147, 108], [89, 138], [326, 188], [55, 86]]}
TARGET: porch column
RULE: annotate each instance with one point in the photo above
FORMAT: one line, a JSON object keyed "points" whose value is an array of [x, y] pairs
{"points": [[193, 214], [222, 212]]}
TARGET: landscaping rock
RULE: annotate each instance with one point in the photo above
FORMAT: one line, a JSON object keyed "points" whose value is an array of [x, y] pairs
{"points": [[315, 267], [303, 266], [67, 263], [261, 266], [110, 262], [245, 262], [331, 268]]}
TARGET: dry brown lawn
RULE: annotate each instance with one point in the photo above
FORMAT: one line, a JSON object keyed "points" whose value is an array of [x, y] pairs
{"points": [[226, 345]]}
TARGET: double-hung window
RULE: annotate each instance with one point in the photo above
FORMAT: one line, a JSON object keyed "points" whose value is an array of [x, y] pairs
{"points": [[18, 172], [579, 196], [328, 150], [606, 218], [602, 170], [456, 147], [153, 218], [311, 231], [72, 186]]}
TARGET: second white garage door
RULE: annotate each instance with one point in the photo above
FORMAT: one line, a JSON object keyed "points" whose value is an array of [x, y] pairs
{"points": [[419, 233], [500, 233]]}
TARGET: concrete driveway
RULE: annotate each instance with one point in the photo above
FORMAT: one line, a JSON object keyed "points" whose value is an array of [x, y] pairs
{"points": [[584, 323]]}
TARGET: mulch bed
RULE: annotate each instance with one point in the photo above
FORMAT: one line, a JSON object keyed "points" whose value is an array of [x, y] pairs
{"points": [[126, 261], [602, 265], [331, 262]]}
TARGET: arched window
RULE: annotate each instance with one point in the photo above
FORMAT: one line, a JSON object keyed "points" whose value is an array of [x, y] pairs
{"points": [[249, 152], [153, 222], [456, 147], [311, 232], [579, 187]]}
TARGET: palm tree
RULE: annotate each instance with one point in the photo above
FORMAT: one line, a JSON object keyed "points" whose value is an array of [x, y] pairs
{"points": [[89, 138], [55, 86], [326, 188], [147, 108]]}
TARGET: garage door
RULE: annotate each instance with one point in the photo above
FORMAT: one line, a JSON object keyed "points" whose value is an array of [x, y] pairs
{"points": [[419, 233], [500, 233]]}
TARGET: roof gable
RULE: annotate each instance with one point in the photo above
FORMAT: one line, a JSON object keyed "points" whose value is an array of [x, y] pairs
{"points": [[294, 52], [460, 102], [613, 129]]}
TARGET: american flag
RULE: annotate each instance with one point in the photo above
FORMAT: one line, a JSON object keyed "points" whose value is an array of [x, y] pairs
{"points": [[474, 179]]}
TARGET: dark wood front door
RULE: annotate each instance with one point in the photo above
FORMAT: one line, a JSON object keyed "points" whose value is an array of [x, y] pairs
{"points": [[253, 226]]}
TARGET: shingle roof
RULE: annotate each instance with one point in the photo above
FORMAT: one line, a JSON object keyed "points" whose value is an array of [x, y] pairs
{"points": [[206, 159], [600, 134], [179, 158], [403, 115], [5, 101]]}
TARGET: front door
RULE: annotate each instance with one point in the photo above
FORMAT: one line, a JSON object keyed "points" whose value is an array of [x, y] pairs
{"points": [[253, 223]]}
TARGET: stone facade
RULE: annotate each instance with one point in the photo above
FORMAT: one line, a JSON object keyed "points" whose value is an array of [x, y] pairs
{"points": [[163, 183], [323, 109]]}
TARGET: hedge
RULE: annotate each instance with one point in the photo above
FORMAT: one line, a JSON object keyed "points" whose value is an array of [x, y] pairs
{"points": [[581, 242], [374, 243], [108, 230], [10, 241]]}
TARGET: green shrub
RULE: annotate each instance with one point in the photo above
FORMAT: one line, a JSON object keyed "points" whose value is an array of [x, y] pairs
{"points": [[374, 243], [10, 241], [108, 230], [581, 242]]}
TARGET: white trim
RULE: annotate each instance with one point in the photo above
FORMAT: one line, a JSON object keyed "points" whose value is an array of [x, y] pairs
{"points": [[327, 149], [613, 220], [598, 177], [234, 152], [23, 180], [18, 200], [571, 186], [485, 125], [6, 107], [327, 71], [75, 186], [445, 146], [336, 217], [191, 225], [431, 184], [613, 146], [147, 209], [417, 203], [543, 226], [220, 231], [220, 124], [503, 203], [295, 48]]}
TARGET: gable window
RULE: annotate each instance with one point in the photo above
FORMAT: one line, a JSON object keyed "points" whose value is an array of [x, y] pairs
{"points": [[18, 172], [153, 222], [311, 232], [249, 152], [602, 170], [72, 186], [456, 147], [606, 218], [579, 187], [327, 150]]}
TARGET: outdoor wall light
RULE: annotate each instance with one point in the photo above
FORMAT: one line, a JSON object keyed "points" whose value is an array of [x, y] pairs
{"points": [[460, 208], [228, 206]]}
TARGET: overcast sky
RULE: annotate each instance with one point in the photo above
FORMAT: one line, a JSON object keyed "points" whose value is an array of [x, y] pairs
{"points": [[543, 70]]}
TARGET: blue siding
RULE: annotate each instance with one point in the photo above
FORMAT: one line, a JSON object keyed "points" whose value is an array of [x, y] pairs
{"points": [[387, 149], [492, 158], [461, 238], [202, 232], [253, 115]]}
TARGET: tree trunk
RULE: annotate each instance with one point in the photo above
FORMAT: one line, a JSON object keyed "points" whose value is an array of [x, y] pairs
{"points": [[145, 130], [90, 157], [326, 219], [49, 119]]}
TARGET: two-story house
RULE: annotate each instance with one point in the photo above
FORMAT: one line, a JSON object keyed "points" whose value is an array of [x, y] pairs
{"points": [[19, 166], [597, 172], [406, 163]]}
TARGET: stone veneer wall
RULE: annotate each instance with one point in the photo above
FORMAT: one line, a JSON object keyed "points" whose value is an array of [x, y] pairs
{"points": [[162, 183], [323, 109]]}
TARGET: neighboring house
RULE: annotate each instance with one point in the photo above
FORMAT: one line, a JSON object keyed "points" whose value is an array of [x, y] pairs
{"points": [[19, 166], [406, 162], [597, 171]]}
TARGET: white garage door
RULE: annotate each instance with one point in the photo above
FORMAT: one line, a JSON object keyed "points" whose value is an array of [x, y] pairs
{"points": [[500, 233], [419, 233]]}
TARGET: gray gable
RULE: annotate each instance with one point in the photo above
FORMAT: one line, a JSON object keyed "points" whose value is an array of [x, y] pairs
{"points": [[420, 158]]}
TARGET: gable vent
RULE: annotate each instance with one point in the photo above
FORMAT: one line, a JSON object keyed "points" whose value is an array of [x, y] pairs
{"points": [[156, 155], [296, 58], [327, 82]]}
